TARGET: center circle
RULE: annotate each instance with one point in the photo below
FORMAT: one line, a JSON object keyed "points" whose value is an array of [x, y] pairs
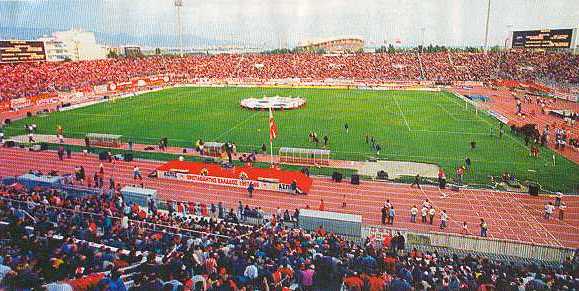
{"points": [[273, 102]]}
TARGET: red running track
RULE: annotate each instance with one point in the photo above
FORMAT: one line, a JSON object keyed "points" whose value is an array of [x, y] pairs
{"points": [[509, 215], [503, 102]]}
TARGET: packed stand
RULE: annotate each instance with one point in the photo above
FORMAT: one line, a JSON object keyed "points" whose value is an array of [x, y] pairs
{"points": [[275, 257], [29, 79]]}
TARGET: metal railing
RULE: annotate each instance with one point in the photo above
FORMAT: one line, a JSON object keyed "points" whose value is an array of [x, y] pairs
{"points": [[485, 245]]}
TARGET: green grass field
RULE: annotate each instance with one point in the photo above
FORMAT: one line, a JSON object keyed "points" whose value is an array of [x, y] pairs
{"points": [[433, 127]]}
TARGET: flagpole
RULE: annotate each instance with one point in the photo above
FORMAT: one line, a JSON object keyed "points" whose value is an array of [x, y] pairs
{"points": [[270, 138], [271, 150], [272, 133]]}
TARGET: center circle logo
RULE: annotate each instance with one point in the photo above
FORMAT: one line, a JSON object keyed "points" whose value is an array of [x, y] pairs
{"points": [[273, 102]]}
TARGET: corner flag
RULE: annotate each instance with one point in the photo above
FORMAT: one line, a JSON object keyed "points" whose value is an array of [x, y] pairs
{"points": [[272, 127]]}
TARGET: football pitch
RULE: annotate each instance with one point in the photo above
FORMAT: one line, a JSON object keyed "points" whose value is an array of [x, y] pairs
{"points": [[432, 127]]}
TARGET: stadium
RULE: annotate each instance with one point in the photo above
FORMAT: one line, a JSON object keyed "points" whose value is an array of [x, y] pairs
{"points": [[334, 45], [327, 167]]}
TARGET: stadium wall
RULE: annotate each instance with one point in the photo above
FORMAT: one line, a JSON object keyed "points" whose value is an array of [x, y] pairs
{"points": [[498, 247], [351, 227]]}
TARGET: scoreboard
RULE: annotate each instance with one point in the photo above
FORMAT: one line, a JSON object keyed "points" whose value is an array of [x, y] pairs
{"points": [[543, 39], [14, 51]]}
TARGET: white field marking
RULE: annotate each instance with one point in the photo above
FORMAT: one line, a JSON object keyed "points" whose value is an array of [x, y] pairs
{"points": [[237, 125], [453, 99], [449, 132], [401, 112], [95, 114], [335, 151], [449, 114], [491, 125]]}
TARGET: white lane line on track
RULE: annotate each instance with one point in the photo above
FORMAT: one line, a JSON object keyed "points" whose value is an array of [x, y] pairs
{"points": [[220, 190]]}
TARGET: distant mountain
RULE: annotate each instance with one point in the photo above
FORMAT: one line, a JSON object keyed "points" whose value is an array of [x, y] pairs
{"points": [[23, 32], [114, 39], [155, 40]]}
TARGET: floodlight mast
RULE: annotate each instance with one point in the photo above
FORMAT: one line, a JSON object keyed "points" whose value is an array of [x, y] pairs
{"points": [[179, 7], [486, 47]]}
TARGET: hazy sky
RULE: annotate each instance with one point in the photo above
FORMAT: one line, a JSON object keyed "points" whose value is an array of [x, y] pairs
{"points": [[271, 22]]}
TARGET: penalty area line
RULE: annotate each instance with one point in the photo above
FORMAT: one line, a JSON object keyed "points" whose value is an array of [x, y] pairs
{"points": [[95, 114], [402, 112], [237, 125], [449, 132]]}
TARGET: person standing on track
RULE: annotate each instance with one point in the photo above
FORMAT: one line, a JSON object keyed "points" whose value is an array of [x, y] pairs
{"points": [[60, 152], [391, 215], [549, 209], [431, 214], [424, 212], [483, 228], [250, 189], [413, 213], [137, 173], [426, 203], [562, 208], [443, 219], [558, 198], [388, 206], [384, 214]]}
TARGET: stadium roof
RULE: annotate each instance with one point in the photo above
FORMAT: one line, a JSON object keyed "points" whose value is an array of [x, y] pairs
{"points": [[327, 39]]}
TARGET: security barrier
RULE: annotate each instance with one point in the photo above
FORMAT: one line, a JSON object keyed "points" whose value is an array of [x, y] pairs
{"points": [[349, 225], [473, 243]]}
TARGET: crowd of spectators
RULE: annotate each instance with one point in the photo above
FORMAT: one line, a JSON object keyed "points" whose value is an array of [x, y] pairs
{"points": [[562, 134], [204, 254], [526, 66], [28, 79]]}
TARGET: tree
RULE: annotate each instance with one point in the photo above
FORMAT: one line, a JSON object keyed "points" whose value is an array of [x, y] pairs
{"points": [[278, 51], [381, 49], [112, 54], [320, 51]]}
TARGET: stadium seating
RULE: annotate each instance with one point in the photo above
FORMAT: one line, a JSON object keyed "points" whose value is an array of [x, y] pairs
{"points": [[87, 241], [29, 79], [48, 239]]}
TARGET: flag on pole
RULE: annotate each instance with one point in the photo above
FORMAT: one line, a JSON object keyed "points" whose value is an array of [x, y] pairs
{"points": [[272, 127]]}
